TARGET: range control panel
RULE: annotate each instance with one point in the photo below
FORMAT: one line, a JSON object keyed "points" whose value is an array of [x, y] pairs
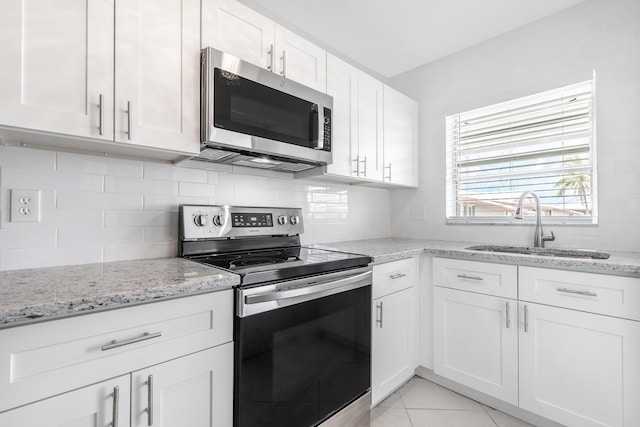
{"points": [[207, 221]]}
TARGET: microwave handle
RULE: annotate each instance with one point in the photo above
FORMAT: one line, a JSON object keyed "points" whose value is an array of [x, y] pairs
{"points": [[319, 126]]}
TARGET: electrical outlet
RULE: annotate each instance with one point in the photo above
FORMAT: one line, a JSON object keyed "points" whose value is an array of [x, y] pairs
{"points": [[25, 205]]}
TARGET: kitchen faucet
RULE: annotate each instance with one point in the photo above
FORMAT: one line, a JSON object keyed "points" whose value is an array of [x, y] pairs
{"points": [[538, 238]]}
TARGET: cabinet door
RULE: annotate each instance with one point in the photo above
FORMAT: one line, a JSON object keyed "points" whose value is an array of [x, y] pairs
{"points": [[57, 64], [158, 73], [300, 60], [370, 127], [236, 29], [342, 85], [194, 391], [394, 353], [91, 406], [476, 342], [400, 138], [579, 369]]}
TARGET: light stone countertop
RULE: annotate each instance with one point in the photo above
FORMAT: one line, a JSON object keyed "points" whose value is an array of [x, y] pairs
{"points": [[38, 294], [389, 249]]}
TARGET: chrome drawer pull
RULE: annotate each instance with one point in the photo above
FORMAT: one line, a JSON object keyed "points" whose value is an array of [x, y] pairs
{"points": [[379, 320], [464, 276], [397, 276], [573, 291], [508, 308], [526, 318], [150, 400], [116, 403], [143, 337], [100, 115]]}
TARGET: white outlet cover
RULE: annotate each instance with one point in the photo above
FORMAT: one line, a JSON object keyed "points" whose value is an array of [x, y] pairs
{"points": [[25, 205]]}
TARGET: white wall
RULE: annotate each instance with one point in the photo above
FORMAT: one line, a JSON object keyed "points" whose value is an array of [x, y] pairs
{"points": [[98, 209], [600, 35]]}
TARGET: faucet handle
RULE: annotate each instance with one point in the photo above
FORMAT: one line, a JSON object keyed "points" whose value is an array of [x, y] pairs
{"points": [[549, 238]]}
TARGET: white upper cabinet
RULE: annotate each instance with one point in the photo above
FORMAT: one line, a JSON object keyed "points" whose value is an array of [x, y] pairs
{"points": [[58, 71], [370, 127], [57, 66], [300, 60], [157, 73], [342, 85], [400, 138], [236, 29]]}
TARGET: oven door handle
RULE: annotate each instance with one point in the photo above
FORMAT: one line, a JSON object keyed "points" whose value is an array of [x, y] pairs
{"points": [[317, 290]]}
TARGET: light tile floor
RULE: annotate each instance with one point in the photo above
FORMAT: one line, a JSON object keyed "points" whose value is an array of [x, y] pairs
{"points": [[421, 403]]}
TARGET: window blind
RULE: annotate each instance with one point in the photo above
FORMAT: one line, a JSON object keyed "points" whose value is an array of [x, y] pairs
{"points": [[542, 143]]}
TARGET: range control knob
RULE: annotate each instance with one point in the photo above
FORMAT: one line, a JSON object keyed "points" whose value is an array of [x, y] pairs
{"points": [[294, 219], [282, 220], [200, 220], [217, 220]]}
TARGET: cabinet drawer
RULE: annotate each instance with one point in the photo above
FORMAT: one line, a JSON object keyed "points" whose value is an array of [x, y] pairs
{"points": [[37, 361], [597, 293], [394, 276], [482, 277]]}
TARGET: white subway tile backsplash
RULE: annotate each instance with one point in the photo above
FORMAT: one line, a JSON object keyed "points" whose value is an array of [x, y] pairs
{"points": [[13, 259], [26, 158], [196, 190], [113, 184], [106, 209], [39, 180], [85, 236], [169, 172], [79, 163], [92, 200]]}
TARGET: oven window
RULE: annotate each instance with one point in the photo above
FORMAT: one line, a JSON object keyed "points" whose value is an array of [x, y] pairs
{"points": [[297, 365], [248, 107]]}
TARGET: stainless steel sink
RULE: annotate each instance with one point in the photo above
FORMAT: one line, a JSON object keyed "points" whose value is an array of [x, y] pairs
{"points": [[551, 252]]}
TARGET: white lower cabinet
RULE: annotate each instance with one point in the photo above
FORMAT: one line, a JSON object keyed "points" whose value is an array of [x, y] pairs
{"points": [[476, 341], [579, 369], [166, 364], [194, 390], [102, 404], [394, 353], [544, 352]]}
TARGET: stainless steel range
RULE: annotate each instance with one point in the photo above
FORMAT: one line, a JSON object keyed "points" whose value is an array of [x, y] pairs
{"points": [[302, 327]]}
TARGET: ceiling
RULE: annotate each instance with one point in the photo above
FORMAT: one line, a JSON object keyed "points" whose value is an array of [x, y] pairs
{"points": [[393, 36]]}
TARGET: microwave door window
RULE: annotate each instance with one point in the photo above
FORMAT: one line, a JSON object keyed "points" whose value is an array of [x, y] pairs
{"points": [[244, 106]]}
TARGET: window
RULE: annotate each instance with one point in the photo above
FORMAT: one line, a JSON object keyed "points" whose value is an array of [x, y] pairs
{"points": [[543, 143]]}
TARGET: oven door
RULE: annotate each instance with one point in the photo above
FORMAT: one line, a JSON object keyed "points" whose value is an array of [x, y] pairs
{"points": [[307, 355]]}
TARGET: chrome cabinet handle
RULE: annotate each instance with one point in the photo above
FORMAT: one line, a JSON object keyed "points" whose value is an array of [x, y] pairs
{"points": [[464, 276], [150, 400], [357, 161], [397, 276], [388, 178], [101, 115], [365, 166], [508, 308], [143, 337], [573, 291], [271, 55], [284, 63], [526, 318], [116, 403], [129, 114], [379, 306]]}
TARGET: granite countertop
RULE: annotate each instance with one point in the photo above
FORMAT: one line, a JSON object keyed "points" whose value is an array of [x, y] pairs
{"points": [[389, 249], [38, 294]]}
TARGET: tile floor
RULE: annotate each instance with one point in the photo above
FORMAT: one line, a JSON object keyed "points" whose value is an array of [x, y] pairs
{"points": [[421, 403]]}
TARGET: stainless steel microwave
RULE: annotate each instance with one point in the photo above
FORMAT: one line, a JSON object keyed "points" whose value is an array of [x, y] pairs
{"points": [[253, 117]]}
